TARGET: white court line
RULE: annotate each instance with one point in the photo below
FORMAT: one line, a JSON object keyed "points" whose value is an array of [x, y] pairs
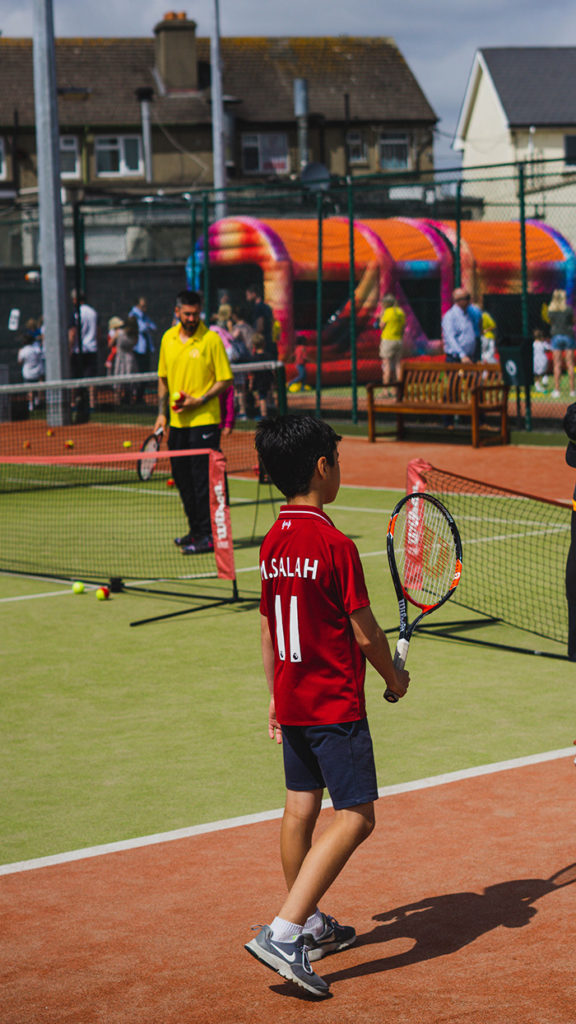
{"points": [[253, 819], [48, 593]]}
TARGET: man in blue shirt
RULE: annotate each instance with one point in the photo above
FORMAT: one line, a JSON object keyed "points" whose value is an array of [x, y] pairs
{"points": [[144, 347], [462, 329]]}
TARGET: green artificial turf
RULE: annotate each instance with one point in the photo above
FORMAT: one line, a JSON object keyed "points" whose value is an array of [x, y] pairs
{"points": [[111, 731]]}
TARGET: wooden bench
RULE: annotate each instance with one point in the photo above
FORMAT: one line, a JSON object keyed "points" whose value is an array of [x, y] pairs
{"points": [[431, 388]]}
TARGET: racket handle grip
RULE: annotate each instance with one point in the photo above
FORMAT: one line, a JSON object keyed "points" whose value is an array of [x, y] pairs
{"points": [[400, 655]]}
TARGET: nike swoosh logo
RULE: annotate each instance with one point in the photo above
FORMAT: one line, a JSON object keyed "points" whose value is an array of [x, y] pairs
{"points": [[206, 436], [290, 958]]}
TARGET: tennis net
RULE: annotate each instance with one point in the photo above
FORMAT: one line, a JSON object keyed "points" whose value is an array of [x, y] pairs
{"points": [[514, 550], [92, 518], [98, 415]]}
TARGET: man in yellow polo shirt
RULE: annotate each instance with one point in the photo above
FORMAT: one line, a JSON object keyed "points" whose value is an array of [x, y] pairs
{"points": [[392, 322], [194, 366]]}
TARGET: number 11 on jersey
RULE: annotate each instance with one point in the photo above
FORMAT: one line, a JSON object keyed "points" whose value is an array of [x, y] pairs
{"points": [[293, 629]]}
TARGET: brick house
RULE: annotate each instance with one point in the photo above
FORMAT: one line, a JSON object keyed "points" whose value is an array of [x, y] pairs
{"points": [[366, 111]]}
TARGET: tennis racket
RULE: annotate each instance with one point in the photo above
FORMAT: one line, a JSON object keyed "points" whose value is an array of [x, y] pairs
{"points": [[146, 466], [425, 557]]}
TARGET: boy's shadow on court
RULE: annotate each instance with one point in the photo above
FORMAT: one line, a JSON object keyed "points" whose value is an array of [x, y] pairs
{"points": [[440, 925]]}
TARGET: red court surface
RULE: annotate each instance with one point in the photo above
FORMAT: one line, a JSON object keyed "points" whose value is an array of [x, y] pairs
{"points": [[533, 470], [457, 920]]}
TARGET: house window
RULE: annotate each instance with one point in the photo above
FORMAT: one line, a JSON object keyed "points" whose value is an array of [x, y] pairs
{"points": [[394, 152], [357, 148], [2, 159], [570, 150], [69, 157], [118, 155], [265, 153]]}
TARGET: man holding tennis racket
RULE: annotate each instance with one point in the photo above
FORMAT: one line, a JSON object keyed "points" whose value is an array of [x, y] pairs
{"points": [[317, 630], [193, 368]]}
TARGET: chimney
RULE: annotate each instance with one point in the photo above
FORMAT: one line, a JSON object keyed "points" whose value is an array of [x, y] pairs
{"points": [[176, 52]]}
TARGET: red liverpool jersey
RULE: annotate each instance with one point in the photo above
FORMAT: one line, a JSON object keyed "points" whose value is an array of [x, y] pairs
{"points": [[312, 580]]}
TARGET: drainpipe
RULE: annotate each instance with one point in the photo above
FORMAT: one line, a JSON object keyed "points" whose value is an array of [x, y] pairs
{"points": [[144, 95]]}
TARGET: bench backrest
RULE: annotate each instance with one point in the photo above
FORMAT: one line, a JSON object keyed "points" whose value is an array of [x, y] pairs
{"points": [[432, 382]]}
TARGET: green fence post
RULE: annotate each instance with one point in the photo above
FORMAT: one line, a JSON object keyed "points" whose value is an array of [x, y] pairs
{"points": [[352, 290], [457, 254], [281, 386], [79, 249], [206, 282], [193, 240], [524, 269], [319, 313]]}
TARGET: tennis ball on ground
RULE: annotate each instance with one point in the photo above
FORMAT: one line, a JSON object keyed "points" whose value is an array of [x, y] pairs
{"points": [[103, 593], [49, 433], [78, 587], [170, 482], [69, 444]]}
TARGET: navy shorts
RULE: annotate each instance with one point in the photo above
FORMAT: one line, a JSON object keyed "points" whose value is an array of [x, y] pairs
{"points": [[337, 757]]}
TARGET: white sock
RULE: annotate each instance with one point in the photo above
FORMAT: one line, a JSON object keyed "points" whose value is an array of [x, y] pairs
{"points": [[315, 924], [285, 931]]}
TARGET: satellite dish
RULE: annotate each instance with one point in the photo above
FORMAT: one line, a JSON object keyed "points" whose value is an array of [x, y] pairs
{"points": [[315, 177]]}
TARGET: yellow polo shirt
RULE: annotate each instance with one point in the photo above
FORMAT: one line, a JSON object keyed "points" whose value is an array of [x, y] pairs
{"points": [[393, 322], [193, 366]]}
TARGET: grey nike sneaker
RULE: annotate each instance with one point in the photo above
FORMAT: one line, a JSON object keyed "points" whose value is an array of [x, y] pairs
{"points": [[290, 959], [333, 938]]}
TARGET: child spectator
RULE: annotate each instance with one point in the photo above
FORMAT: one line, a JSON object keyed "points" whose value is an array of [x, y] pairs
{"points": [[298, 382], [540, 354], [488, 338], [114, 325], [31, 358], [262, 380]]}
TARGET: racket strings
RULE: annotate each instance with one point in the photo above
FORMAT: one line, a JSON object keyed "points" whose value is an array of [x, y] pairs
{"points": [[425, 552]]}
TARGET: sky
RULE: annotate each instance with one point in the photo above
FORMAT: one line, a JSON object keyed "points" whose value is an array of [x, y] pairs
{"points": [[438, 38]]}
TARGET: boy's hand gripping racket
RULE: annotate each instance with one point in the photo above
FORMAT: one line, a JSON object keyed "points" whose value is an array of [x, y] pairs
{"points": [[425, 557], [146, 466]]}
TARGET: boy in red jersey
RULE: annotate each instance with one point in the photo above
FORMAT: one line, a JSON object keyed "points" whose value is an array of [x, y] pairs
{"points": [[317, 630]]}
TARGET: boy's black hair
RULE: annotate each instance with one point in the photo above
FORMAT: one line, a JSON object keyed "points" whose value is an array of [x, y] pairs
{"points": [[289, 448]]}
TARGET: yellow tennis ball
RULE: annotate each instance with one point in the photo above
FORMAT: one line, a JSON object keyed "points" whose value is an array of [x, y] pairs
{"points": [[127, 444], [78, 587], [102, 593]]}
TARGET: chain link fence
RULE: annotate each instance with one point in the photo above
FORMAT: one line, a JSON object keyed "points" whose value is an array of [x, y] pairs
{"points": [[324, 256]]}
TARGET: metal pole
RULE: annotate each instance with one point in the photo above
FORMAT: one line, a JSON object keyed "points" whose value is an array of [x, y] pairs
{"points": [[50, 203], [524, 261], [301, 114], [352, 294], [458, 253], [193, 245], [145, 95], [79, 254], [218, 138], [206, 242], [319, 313], [524, 264]]}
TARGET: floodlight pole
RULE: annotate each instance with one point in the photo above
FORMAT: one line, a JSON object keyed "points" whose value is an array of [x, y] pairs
{"points": [[50, 206]]}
